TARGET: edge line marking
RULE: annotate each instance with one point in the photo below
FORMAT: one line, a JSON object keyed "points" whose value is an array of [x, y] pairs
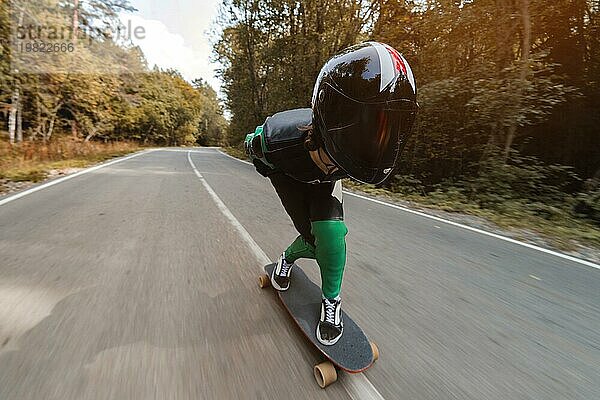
{"points": [[258, 252], [459, 225], [56, 181]]}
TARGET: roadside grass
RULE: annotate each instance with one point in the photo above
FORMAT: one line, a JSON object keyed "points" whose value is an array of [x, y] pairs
{"points": [[33, 161], [561, 230], [237, 152]]}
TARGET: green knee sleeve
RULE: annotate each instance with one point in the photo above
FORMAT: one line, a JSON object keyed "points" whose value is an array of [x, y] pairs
{"points": [[330, 252], [299, 249]]}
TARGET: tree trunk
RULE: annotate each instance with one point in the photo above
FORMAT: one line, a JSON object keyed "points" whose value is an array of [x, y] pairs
{"points": [[74, 131], [15, 102], [90, 135], [38, 120], [523, 73], [12, 116], [249, 22], [48, 134], [53, 113], [15, 99], [20, 122]]}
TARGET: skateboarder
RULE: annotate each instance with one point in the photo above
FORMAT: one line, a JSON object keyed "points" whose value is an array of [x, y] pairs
{"points": [[363, 108]]}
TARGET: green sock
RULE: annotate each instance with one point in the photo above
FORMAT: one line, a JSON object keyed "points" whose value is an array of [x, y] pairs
{"points": [[330, 252]]}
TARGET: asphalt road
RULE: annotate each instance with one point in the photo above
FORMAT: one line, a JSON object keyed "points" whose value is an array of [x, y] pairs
{"points": [[129, 282]]}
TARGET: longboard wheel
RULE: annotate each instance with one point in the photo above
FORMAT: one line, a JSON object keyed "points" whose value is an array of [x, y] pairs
{"points": [[264, 281], [325, 374], [375, 351]]}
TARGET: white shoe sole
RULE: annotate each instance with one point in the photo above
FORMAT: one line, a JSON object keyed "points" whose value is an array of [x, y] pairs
{"points": [[276, 285]]}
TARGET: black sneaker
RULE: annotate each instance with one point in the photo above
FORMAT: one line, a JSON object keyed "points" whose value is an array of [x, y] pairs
{"points": [[280, 279], [330, 326]]}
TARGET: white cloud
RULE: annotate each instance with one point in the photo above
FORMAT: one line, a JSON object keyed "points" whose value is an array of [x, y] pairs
{"points": [[170, 50]]}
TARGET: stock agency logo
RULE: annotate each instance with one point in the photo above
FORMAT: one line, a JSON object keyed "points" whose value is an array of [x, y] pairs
{"points": [[66, 45], [119, 34]]}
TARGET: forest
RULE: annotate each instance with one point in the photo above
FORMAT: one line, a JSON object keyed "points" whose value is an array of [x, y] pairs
{"points": [[104, 92], [509, 92]]}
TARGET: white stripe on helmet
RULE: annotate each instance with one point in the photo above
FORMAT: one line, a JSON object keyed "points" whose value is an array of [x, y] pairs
{"points": [[386, 63], [409, 74]]}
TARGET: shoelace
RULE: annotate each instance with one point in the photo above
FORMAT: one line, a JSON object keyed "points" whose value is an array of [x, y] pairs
{"points": [[285, 267], [330, 307]]}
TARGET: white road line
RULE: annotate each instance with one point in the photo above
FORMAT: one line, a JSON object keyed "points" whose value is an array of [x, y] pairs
{"points": [[357, 385], [494, 235], [235, 158], [64, 178], [507, 239], [258, 252], [195, 149]]}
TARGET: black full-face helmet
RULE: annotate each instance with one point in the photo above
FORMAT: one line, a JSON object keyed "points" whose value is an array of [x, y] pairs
{"points": [[364, 106]]}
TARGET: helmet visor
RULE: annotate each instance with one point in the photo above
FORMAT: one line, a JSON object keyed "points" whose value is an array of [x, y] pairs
{"points": [[365, 138]]}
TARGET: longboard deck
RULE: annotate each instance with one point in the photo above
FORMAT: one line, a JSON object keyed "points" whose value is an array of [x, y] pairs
{"points": [[352, 352]]}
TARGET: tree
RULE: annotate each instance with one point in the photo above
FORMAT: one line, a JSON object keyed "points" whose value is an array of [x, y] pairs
{"points": [[273, 50], [212, 124], [82, 94], [486, 75]]}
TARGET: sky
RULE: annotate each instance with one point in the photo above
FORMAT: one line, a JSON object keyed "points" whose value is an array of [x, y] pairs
{"points": [[176, 35]]}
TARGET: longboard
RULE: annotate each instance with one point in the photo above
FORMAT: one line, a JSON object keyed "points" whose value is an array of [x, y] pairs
{"points": [[353, 353]]}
